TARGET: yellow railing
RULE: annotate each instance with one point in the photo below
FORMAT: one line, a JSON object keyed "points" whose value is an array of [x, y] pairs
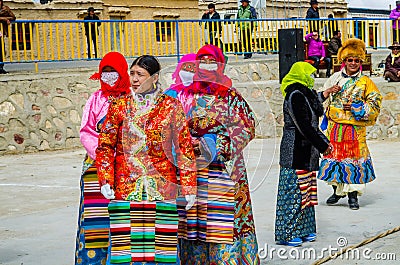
{"points": [[37, 41]]}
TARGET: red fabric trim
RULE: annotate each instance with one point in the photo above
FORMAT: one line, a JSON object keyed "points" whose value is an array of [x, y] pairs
{"points": [[211, 82]]}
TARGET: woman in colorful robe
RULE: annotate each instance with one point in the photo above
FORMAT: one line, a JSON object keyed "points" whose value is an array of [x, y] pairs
{"points": [[220, 229], [136, 167], [93, 223], [301, 145], [183, 74], [357, 105]]}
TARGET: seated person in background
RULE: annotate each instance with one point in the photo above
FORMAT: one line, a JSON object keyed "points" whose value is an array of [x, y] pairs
{"points": [[392, 65], [335, 43], [316, 51]]}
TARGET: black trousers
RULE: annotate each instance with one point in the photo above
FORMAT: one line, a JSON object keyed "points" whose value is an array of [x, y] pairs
{"points": [[90, 47], [313, 26], [396, 34], [246, 42], [215, 41], [317, 61], [2, 50]]}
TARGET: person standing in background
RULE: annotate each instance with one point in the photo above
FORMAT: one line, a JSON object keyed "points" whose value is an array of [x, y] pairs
{"points": [[395, 15], [334, 45], [331, 27], [313, 13], [246, 28], [91, 31], [6, 16], [214, 28]]}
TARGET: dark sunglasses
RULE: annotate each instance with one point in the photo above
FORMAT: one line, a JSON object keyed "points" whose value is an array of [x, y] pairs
{"points": [[396, 48], [355, 60]]}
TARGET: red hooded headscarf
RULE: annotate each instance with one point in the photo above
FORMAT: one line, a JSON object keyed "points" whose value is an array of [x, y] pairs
{"points": [[190, 57], [117, 61], [211, 82]]}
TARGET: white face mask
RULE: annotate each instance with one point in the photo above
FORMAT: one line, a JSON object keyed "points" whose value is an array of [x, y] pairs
{"points": [[110, 78], [186, 77], [208, 66]]}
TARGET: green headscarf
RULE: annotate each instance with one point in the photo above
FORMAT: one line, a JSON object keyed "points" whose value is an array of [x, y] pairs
{"points": [[299, 73]]}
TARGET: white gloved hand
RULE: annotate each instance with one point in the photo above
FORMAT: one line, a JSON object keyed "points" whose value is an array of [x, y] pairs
{"points": [[107, 192], [190, 201]]}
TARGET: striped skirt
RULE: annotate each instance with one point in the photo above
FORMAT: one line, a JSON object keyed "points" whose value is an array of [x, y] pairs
{"points": [[93, 223], [219, 229], [143, 232], [211, 219]]}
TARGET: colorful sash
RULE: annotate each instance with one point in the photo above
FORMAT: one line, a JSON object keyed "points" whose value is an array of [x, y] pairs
{"points": [[308, 188], [143, 231], [96, 223], [348, 163], [211, 219], [344, 139]]}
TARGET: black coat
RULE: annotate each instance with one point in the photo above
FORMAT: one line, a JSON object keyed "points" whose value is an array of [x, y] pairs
{"points": [[334, 45], [217, 27], [302, 141], [393, 68], [92, 26], [312, 13]]}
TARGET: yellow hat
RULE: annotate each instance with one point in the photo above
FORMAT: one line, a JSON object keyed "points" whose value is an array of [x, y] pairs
{"points": [[352, 48]]}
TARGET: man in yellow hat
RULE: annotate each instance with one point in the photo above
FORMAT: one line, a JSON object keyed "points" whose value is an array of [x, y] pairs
{"points": [[349, 166]]}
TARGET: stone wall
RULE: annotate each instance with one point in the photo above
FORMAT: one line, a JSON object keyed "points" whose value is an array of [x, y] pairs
{"points": [[43, 111]]}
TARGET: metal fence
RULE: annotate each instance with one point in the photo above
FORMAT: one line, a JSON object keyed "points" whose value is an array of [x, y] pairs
{"points": [[68, 40]]}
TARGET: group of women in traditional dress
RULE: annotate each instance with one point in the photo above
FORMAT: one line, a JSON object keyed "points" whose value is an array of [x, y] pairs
{"points": [[165, 180]]}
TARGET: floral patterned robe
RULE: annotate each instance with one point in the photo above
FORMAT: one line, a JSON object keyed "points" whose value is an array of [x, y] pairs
{"points": [[135, 149], [225, 232]]}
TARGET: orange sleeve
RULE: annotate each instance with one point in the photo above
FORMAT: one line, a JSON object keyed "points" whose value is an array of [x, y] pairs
{"points": [[184, 151], [105, 152]]}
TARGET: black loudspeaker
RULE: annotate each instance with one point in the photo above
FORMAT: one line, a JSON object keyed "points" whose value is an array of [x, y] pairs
{"points": [[291, 49]]}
